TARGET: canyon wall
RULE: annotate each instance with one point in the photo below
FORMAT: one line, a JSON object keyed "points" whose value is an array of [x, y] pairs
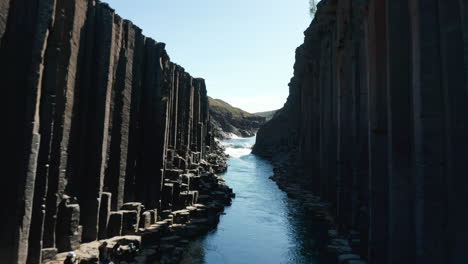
{"points": [[376, 122], [97, 119]]}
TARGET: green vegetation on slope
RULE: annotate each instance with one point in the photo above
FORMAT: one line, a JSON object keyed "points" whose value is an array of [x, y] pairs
{"points": [[267, 114], [227, 120], [226, 108]]}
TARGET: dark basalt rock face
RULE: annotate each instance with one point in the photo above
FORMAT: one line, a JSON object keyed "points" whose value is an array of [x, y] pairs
{"points": [[376, 125], [96, 116]]}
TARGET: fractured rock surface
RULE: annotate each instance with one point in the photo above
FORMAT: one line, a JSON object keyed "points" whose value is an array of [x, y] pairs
{"points": [[96, 117], [376, 124]]}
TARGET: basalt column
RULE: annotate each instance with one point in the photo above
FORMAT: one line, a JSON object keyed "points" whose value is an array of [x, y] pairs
{"points": [[174, 107], [428, 132], [385, 83], [400, 133], [119, 129], [378, 129], [56, 113], [154, 109], [110, 108], [23, 43], [196, 125], [135, 124], [183, 116], [453, 42], [103, 49], [204, 120]]}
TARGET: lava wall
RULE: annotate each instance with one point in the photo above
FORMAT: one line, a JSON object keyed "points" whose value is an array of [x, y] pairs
{"points": [[377, 117], [96, 116]]}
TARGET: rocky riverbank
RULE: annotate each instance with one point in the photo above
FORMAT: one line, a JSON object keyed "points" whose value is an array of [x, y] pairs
{"points": [[163, 237], [336, 249]]}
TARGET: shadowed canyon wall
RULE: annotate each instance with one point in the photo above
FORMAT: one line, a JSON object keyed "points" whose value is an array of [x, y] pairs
{"points": [[376, 119], [96, 116]]}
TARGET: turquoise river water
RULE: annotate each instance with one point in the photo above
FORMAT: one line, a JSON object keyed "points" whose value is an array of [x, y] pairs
{"points": [[262, 225]]}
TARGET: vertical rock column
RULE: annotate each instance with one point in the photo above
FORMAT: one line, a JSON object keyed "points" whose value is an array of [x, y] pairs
{"points": [[149, 180], [305, 69], [68, 228], [346, 133], [121, 116], [174, 105], [400, 136], [361, 153], [195, 146], [103, 48], [378, 132], [135, 127], [26, 31], [205, 117], [327, 91], [56, 115], [454, 69], [428, 114]]}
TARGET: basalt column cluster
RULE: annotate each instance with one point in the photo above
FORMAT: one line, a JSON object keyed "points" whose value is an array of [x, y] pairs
{"points": [[377, 113], [100, 127]]}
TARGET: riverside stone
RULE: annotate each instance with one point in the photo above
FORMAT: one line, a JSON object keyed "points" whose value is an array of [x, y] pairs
{"points": [[145, 220], [48, 253], [154, 216], [130, 222], [114, 228], [133, 206]]}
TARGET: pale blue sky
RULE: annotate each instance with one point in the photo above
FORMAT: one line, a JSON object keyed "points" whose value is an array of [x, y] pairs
{"points": [[244, 49]]}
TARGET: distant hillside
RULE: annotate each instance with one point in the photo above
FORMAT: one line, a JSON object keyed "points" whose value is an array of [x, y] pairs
{"points": [[223, 107], [227, 120], [268, 114]]}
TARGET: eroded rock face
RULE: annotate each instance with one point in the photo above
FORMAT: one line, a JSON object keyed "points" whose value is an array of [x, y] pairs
{"points": [[93, 108], [376, 119]]}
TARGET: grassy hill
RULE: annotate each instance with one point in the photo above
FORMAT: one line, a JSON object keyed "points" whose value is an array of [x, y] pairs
{"points": [[223, 107], [227, 120], [268, 114]]}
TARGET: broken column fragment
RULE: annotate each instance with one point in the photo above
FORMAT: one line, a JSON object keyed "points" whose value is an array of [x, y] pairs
{"points": [[114, 228], [104, 214], [68, 229]]}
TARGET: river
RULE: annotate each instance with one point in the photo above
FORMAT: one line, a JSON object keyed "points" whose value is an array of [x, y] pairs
{"points": [[262, 225]]}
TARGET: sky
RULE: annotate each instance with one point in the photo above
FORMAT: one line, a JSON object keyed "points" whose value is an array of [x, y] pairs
{"points": [[244, 49]]}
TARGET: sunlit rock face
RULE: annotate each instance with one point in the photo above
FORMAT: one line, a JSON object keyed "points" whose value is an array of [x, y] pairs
{"points": [[231, 122], [376, 119], [96, 116]]}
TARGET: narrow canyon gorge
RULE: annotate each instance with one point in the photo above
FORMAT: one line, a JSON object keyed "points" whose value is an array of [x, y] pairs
{"points": [[108, 140]]}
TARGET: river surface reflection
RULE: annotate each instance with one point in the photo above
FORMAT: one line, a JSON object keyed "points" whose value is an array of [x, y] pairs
{"points": [[263, 225]]}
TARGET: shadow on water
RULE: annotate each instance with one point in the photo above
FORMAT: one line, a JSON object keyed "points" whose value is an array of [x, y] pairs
{"points": [[263, 225]]}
